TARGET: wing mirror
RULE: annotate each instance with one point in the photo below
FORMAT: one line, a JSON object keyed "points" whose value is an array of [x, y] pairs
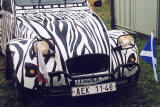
{"points": [[98, 3]]}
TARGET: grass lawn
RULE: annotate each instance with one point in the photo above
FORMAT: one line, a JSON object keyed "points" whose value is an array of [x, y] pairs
{"points": [[104, 12]]}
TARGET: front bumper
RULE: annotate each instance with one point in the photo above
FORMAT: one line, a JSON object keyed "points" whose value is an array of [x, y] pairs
{"points": [[121, 81]]}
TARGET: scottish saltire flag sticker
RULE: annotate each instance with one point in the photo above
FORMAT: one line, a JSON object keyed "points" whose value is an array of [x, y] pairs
{"points": [[149, 54]]}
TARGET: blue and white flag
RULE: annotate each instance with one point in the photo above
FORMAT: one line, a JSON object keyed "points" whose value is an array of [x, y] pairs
{"points": [[149, 54]]}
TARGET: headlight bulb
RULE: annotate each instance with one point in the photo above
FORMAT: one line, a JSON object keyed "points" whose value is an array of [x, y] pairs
{"points": [[125, 40], [42, 46]]}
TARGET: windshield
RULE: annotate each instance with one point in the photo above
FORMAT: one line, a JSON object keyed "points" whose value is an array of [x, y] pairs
{"points": [[45, 2]]}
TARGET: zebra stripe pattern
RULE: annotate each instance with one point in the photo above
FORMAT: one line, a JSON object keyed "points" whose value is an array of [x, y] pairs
{"points": [[69, 34]]}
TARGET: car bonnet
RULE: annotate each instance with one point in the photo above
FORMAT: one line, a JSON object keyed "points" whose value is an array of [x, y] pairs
{"points": [[74, 33]]}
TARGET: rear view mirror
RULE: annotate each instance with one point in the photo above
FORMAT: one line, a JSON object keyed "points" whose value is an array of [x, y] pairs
{"points": [[98, 3]]}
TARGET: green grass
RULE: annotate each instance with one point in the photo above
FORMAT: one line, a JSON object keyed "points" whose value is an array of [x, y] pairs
{"points": [[146, 80], [104, 12]]}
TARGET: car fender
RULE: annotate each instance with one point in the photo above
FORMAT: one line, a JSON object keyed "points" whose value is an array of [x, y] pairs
{"points": [[21, 52], [121, 56]]}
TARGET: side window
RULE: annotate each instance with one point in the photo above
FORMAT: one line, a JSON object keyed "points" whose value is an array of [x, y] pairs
{"points": [[6, 5]]}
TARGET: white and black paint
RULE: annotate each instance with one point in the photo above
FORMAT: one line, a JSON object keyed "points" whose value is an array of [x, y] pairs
{"points": [[70, 33]]}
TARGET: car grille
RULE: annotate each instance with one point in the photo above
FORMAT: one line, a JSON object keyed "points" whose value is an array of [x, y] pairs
{"points": [[87, 64]]}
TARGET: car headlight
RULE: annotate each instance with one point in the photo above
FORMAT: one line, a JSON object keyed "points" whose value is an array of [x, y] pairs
{"points": [[42, 46], [125, 40]]}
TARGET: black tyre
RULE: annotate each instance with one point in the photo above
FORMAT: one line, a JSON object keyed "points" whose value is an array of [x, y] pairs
{"points": [[11, 75], [22, 94], [9, 67]]}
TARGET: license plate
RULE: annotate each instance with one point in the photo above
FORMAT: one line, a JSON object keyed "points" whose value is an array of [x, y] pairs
{"points": [[93, 89]]}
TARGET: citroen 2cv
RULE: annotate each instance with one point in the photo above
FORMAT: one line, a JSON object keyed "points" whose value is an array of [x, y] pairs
{"points": [[61, 47]]}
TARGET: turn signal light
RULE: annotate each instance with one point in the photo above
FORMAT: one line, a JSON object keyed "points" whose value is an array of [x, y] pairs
{"points": [[32, 72], [132, 59]]}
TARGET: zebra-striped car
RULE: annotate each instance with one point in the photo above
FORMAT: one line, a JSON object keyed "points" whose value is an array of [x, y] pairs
{"points": [[61, 47]]}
